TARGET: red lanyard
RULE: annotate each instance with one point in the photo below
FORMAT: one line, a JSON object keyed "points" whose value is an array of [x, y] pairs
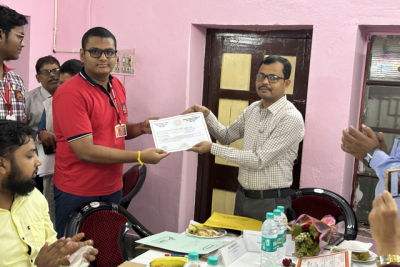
{"points": [[7, 96], [114, 99]]}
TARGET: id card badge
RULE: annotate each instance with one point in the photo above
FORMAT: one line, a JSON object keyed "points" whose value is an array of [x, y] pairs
{"points": [[11, 118], [120, 130]]}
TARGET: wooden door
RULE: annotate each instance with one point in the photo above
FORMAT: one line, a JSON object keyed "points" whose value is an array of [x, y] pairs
{"points": [[232, 60]]}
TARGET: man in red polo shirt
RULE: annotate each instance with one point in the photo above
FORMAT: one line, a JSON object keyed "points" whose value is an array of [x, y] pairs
{"points": [[12, 89], [90, 122]]}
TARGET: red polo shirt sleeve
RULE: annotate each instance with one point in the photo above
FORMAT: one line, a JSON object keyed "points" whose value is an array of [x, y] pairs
{"points": [[71, 110]]}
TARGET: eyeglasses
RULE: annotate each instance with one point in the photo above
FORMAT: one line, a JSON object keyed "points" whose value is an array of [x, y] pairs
{"points": [[20, 36], [46, 73], [96, 53], [272, 78]]}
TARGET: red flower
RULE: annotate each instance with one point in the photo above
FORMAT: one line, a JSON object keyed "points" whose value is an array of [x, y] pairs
{"points": [[286, 262], [306, 227], [316, 239]]}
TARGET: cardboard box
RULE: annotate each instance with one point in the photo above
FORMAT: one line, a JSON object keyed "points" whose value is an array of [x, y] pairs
{"points": [[131, 264]]}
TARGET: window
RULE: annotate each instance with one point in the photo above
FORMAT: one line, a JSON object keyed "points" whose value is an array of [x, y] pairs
{"points": [[380, 110]]}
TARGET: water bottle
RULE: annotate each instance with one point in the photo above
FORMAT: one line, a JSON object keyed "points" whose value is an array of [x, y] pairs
{"points": [[212, 261], [280, 253], [285, 223], [193, 260], [269, 233]]}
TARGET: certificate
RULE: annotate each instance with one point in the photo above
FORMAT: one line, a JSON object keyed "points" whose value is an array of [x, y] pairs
{"points": [[180, 132]]}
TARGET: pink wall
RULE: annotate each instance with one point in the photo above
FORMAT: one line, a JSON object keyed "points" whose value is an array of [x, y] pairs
{"points": [[169, 40]]}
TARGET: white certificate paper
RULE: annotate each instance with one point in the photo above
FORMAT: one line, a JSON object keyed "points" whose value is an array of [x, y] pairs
{"points": [[341, 259], [180, 132]]}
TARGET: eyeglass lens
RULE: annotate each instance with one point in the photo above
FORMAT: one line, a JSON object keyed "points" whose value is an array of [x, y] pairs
{"points": [[96, 53]]}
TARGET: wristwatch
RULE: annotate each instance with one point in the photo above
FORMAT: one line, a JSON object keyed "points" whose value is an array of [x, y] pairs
{"points": [[388, 259], [368, 157]]}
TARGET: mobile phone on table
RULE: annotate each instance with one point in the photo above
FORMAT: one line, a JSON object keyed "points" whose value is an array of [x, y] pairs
{"points": [[392, 179]]}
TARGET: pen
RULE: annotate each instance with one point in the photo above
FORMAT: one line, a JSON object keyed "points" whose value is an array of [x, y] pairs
{"points": [[177, 255], [174, 255]]}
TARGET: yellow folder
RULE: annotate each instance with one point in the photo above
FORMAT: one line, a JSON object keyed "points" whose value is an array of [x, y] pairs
{"points": [[220, 220]]}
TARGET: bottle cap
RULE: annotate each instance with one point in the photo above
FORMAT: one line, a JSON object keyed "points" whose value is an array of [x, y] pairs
{"points": [[277, 212], [213, 261], [281, 208], [194, 256], [270, 215]]}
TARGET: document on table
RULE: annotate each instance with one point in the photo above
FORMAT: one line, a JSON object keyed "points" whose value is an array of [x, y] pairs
{"points": [[341, 259], [234, 222], [182, 243], [180, 132]]}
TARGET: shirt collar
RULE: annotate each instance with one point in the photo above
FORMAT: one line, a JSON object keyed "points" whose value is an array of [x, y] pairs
{"points": [[6, 69], [18, 201], [275, 107], [89, 80], [44, 92]]}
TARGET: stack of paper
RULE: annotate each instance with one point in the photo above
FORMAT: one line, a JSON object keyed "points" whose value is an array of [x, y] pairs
{"points": [[48, 161], [182, 243], [220, 220]]}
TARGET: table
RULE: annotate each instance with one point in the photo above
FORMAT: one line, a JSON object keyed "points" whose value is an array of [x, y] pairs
{"points": [[250, 259]]}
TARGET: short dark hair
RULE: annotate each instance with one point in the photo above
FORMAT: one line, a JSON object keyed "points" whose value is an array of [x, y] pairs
{"points": [[97, 32], [13, 134], [287, 67], [72, 67], [46, 60], [9, 19]]}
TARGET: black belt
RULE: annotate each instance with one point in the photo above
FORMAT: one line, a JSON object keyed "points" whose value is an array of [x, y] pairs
{"points": [[271, 193]]}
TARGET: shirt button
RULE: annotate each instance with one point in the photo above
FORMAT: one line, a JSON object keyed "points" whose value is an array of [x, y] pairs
{"points": [[29, 228], [31, 260], [23, 238]]}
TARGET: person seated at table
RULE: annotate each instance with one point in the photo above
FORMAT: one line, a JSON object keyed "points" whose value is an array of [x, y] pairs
{"points": [[385, 229], [27, 236]]}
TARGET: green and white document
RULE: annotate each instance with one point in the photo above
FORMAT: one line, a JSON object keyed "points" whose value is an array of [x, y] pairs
{"points": [[182, 243]]}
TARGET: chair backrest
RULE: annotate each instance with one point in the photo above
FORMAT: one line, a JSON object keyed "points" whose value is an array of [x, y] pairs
{"points": [[133, 182], [320, 202], [106, 224]]}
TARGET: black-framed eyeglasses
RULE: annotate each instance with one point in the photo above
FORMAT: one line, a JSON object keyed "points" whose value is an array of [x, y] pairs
{"points": [[96, 53], [46, 73], [272, 78], [20, 36]]}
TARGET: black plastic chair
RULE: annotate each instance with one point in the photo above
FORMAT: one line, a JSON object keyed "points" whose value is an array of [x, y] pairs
{"points": [[133, 181], [106, 223], [317, 203]]}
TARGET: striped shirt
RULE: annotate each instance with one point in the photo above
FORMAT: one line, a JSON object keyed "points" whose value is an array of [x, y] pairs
{"points": [[16, 87], [271, 141]]}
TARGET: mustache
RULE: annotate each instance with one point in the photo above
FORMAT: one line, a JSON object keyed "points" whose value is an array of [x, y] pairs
{"points": [[264, 86], [53, 79]]}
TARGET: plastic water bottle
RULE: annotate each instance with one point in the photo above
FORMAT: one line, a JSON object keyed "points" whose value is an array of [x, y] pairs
{"points": [[193, 260], [212, 261], [285, 222], [281, 229], [269, 233]]}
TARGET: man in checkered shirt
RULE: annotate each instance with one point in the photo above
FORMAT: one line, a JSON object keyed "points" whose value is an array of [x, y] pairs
{"points": [[12, 90], [272, 129]]}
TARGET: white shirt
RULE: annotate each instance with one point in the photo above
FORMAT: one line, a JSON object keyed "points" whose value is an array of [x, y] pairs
{"points": [[34, 106], [271, 141]]}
